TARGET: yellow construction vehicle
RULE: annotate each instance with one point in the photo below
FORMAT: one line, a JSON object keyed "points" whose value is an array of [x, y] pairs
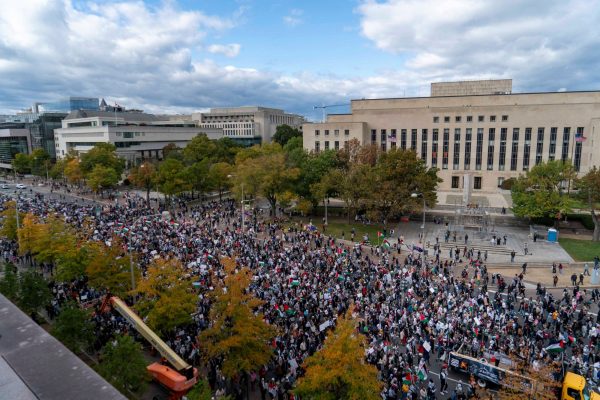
{"points": [[176, 374]]}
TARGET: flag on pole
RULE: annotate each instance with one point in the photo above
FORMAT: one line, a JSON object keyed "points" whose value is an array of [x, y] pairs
{"points": [[556, 347], [579, 138], [422, 375], [386, 244], [380, 234]]}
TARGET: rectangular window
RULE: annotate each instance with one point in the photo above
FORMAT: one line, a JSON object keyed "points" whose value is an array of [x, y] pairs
{"points": [[477, 183], [492, 118], [317, 146], [383, 135], [514, 155], [393, 145], [504, 118], [539, 147], [578, 143], [445, 148], [468, 136], [446, 119], [383, 147], [434, 148], [413, 139], [527, 149], [403, 139], [502, 155], [424, 145], [327, 145], [336, 132], [457, 118], [456, 154], [393, 135], [469, 118], [566, 142], [336, 145], [326, 132], [481, 118], [346, 144], [436, 120], [373, 136], [347, 132], [552, 149], [479, 149], [455, 180]]}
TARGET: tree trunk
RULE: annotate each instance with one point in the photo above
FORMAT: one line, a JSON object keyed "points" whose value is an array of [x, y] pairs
{"points": [[596, 219]]}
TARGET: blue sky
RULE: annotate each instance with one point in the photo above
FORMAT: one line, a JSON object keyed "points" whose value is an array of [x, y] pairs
{"points": [[178, 56]]}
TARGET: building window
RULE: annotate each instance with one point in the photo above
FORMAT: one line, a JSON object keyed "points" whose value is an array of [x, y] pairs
{"points": [[434, 148], [373, 136], [436, 120], [469, 118], [492, 118], [446, 119], [468, 137], [327, 145], [514, 155], [457, 118], [504, 118], [383, 147], [579, 138], [347, 132], [403, 139], [413, 139], [336, 132], [424, 145], [527, 149], [455, 180], [477, 183], [502, 155], [552, 149], [479, 149], [480, 118], [566, 142], [445, 148], [456, 154], [326, 132], [383, 135], [317, 146], [346, 144], [539, 147], [393, 145], [336, 145]]}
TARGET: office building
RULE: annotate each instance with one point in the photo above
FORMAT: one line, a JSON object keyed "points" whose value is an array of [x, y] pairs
{"points": [[13, 140], [247, 125], [136, 135], [478, 140], [67, 105]]}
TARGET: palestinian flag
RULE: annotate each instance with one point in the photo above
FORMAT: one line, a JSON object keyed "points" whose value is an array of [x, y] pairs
{"points": [[422, 375], [572, 339], [556, 347], [386, 244], [408, 379], [380, 234]]}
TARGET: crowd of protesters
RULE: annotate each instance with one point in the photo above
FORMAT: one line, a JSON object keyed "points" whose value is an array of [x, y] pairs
{"points": [[412, 309]]}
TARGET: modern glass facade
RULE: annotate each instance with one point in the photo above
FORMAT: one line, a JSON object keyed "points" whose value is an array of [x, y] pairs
{"points": [[42, 132], [71, 104], [10, 146]]}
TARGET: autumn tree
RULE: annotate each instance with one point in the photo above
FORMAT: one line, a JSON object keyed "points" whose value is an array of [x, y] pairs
{"points": [[198, 149], [73, 172], [102, 178], [144, 176], [236, 335], [172, 178], [225, 150], [339, 370], [540, 192], [74, 328], [105, 155], [122, 363], [28, 233], [198, 176], [527, 381], [109, 268], [9, 220], [169, 299], [589, 191]]}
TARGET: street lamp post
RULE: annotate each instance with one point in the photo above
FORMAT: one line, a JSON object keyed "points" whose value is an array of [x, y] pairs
{"points": [[415, 195]]}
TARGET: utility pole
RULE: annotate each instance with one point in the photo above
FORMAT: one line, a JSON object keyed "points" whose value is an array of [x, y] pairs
{"points": [[17, 210]]}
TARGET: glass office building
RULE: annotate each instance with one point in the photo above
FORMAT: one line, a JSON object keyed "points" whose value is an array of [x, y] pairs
{"points": [[42, 131], [70, 104]]}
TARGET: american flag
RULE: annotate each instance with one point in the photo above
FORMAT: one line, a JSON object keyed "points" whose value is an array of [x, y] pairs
{"points": [[579, 137]]}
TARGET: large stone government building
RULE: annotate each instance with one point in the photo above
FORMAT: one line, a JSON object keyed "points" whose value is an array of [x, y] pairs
{"points": [[478, 133]]}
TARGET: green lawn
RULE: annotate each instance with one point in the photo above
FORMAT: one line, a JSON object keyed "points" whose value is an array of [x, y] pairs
{"points": [[337, 226], [581, 250]]}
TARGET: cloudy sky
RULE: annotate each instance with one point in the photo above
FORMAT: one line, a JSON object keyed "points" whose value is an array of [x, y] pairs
{"points": [[185, 55]]}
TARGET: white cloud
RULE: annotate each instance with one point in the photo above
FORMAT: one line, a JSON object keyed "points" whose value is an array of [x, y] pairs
{"points": [[294, 18], [541, 43], [228, 50]]}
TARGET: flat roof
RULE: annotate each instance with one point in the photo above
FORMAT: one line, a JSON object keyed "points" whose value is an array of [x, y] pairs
{"points": [[34, 365]]}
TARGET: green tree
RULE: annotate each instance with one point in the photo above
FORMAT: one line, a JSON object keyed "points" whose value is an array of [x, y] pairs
{"points": [[34, 293], [109, 268], [237, 336], [9, 220], [172, 178], [40, 162], [225, 150], [122, 363], [338, 370], [198, 149], [198, 176], [540, 192], [589, 191], [21, 163], [219, 176], [313, 168], [172, 151], [73, 171], [74, 328], [283, 133], [104, 154], [72, 260], [101, 178], [144, 176], [9, 283]]}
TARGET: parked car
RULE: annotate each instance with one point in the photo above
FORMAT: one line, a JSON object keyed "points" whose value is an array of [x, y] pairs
{"points": [[4, 186], [20, 186]]}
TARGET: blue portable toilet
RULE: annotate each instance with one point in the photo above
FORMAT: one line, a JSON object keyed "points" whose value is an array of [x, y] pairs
{"points": [[552, 235]]}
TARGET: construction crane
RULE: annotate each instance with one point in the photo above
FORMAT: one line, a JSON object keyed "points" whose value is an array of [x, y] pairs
{"points": [[323, 107], [178, 376]]}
